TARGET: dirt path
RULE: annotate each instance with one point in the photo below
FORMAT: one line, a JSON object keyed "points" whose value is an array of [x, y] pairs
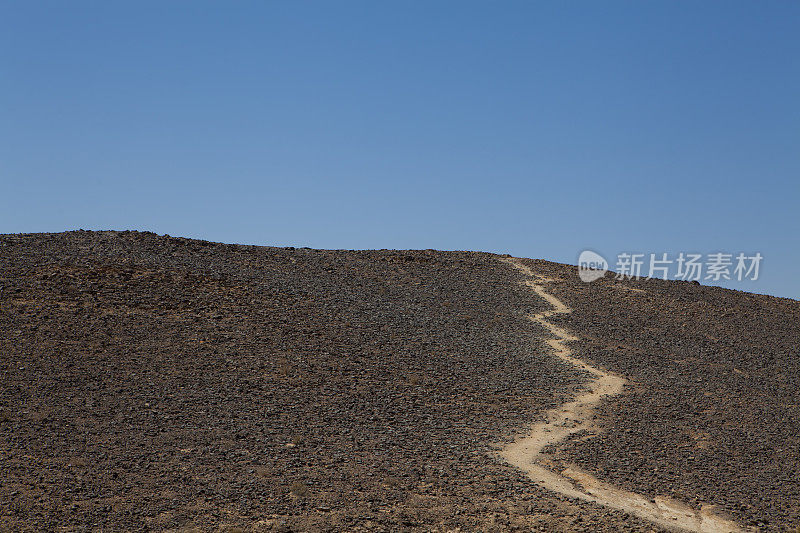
{"points": [[526, 453]]}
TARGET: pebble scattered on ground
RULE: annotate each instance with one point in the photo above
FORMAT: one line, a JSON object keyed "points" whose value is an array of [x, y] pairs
{"points": [[152, 383]]}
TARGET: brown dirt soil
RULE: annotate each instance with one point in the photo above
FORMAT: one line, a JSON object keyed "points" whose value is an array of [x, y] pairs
{"points": [[159, 383]]}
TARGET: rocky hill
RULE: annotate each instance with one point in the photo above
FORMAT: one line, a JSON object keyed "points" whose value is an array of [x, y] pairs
{"points": [[159, 383]]}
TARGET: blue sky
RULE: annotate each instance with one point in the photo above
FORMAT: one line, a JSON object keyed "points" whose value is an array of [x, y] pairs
{"points": [[534, 128]]}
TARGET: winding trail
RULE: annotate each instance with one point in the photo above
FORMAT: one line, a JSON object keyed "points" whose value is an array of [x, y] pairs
{"points": [[526, 452]]}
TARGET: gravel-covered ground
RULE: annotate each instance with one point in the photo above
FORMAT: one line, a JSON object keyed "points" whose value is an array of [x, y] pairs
{"points": [[158, 383], [712, 409]]}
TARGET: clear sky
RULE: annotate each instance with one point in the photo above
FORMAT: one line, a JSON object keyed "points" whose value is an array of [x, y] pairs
{"points": [[534, 128]]}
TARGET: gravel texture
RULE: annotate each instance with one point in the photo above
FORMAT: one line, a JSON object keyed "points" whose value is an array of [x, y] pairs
{"points": [[159, 383]]}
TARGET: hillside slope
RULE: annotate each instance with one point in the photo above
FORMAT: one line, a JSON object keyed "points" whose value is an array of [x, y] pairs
{"points": [[159, 383]]}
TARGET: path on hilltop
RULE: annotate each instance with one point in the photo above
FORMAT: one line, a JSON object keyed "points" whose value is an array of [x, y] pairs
{"points": [[527, 452]]}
